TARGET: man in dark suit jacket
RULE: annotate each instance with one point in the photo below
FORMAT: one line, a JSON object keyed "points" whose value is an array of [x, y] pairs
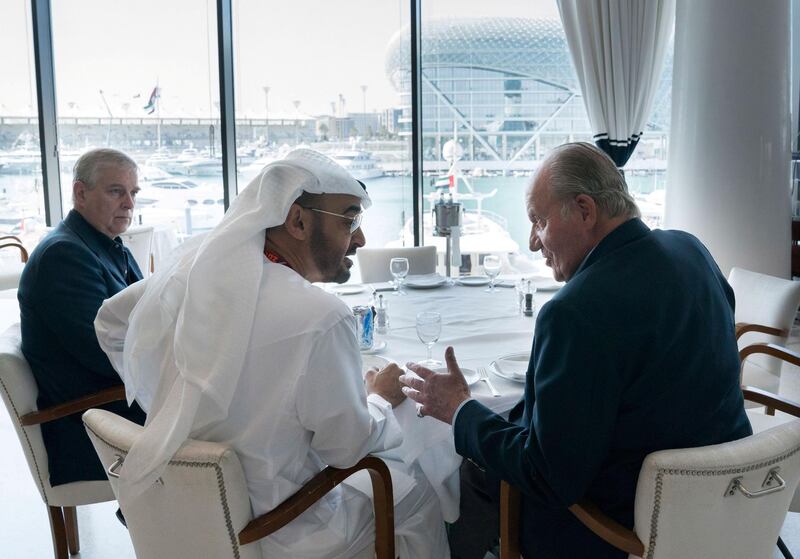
{"points": [[636, 353], [68, 276]]}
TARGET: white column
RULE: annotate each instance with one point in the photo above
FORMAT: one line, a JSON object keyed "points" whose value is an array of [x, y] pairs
{"points": [[728, 179]]}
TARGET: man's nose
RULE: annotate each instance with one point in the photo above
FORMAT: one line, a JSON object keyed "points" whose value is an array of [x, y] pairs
{"points": [[358, 240], [535, 244], [129, 201]]}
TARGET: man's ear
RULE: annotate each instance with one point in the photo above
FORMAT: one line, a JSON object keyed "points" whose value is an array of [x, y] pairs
{"points": [[79, 192], [297, 223], [587, 209]]}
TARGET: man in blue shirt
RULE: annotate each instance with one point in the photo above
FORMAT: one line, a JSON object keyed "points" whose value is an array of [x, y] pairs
{"points": [[71, 272], [636, 353]]}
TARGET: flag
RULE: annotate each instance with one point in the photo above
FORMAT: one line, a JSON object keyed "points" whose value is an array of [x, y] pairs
{"points": [[152, 103]]}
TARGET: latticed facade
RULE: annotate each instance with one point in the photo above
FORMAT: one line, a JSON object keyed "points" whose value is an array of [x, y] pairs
{"points": [[504, 87]]}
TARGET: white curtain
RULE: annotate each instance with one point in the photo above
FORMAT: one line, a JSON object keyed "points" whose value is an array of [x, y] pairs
{"points": [[617, 47]]}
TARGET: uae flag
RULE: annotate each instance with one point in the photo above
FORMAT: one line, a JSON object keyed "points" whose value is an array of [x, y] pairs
{"points": [[153, 101]]}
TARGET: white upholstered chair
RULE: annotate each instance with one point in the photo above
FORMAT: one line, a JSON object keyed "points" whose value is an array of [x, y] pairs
{"points": [[19, 392], [765, 310], [200, 506], [139, 240], [688, 502], [12, 260], [374, 262]]}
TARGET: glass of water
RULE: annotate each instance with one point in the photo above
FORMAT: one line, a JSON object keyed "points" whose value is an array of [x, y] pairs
{"points": [[429, 328], [399, 269], [491, 267]]}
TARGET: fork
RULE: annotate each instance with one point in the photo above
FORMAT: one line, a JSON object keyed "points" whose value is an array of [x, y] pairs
{"points": [[484, 376]]}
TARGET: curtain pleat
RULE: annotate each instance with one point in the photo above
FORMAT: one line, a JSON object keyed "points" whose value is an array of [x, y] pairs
{"points": [[617, 48]]}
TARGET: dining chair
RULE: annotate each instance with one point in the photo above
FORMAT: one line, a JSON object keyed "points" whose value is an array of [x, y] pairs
{"points": [[200, 505], [139, 240], [10, 269], [765, 310], [19, 392], [374, 262], [699, 502], [10, 241]]}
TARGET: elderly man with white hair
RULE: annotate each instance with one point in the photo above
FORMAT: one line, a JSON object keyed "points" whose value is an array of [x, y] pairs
{"points": [[232, 343]]}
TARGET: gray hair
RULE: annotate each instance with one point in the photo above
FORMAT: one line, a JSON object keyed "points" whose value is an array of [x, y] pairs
{"points": [[87, 165], [581, 168]]}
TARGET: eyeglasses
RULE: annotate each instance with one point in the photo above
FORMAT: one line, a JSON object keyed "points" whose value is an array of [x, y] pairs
{"points": [[355, 221]]}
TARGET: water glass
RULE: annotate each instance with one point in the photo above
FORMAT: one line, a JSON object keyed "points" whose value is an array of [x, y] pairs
{"points": [[491, 267], [429, 328], [399, 269]]}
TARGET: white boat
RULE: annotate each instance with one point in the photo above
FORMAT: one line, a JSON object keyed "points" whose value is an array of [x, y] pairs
{"points": [[358, 163], [21, 161], [203, 166], [178, 193], [171, 163]]}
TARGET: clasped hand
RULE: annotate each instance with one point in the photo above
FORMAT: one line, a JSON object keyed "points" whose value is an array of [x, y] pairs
{"points": [[439, 394], [385, 383]]}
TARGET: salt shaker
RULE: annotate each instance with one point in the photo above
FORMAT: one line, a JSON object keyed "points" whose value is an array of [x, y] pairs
{"points": [[381, 315]]}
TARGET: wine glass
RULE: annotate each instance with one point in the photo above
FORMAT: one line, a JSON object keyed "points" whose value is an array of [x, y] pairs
{"points": [[399, 269], [429, 328], [491, 267]]}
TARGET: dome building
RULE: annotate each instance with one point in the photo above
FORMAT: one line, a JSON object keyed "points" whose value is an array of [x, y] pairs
{"points": [[504, 88]]}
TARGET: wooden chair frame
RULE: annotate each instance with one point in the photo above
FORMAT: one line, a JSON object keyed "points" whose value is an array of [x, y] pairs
{"points": [[321, 484], [64, 520], [11, 241], [602, 525]]}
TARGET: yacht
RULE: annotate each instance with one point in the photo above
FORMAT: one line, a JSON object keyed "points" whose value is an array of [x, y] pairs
{"points": [[358, 163]]}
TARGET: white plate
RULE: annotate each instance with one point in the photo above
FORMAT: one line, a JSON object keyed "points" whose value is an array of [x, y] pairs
{"points": [[474, 280], [470, 375], [428, 281], [377, 347], [349, 289], [370, 361], [513, 366]]}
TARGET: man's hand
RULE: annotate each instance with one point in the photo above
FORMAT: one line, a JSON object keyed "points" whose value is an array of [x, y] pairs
{"points": [[439, 393], [386, 384]]}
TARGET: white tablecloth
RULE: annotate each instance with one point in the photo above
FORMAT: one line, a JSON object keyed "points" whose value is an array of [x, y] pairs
{"points": [[480, 326]]}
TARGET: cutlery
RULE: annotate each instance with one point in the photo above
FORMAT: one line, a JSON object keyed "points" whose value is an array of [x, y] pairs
{"points": [[484, 376]]}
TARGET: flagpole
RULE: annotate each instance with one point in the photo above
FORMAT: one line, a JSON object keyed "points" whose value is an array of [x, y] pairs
{"points": [[158, 114]]}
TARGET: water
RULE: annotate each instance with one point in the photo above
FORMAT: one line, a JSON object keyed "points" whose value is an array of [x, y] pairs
{"points": [[22, 196]]}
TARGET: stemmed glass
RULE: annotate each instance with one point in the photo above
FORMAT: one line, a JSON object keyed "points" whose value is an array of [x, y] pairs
{"points": [[399, 269], [429, 328], [491, 267]]}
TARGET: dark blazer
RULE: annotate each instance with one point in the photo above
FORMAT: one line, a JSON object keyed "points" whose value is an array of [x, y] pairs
{"points": [[68, 276], [636, 353]]}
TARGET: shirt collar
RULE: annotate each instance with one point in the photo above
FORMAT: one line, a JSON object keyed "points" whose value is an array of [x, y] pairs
{"points": [[624, 233], [86, 231]]}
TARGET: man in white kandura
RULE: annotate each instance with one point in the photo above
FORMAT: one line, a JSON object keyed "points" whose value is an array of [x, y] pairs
{"points": [[232, 343]]}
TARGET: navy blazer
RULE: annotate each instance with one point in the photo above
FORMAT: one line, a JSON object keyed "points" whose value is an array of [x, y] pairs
{"points": [[68, 276], [636, 353]]}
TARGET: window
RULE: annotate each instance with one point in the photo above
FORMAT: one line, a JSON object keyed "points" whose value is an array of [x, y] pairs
{"points": [[21, 192], [143, 78], [313, 74], [499, 91]]}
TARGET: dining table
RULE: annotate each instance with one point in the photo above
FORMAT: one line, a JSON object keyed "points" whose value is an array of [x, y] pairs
{"points": [[482, 327]]}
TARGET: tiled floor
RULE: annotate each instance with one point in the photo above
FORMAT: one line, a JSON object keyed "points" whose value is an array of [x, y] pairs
{"points": [[25, 532]]}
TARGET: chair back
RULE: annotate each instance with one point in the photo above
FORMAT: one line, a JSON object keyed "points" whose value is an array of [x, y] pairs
{"points": [[20, 392], [139, 241], [693, 502], [770, 301], [197, 508], [374, 262]]}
